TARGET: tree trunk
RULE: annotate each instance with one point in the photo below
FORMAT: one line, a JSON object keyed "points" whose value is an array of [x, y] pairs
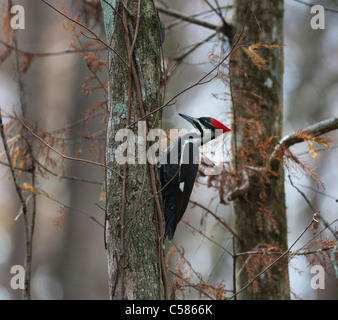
{"points": [[257, 94], [133, 221]]}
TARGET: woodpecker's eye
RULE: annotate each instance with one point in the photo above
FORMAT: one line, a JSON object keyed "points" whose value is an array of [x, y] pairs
{"points": [[206, 123]]}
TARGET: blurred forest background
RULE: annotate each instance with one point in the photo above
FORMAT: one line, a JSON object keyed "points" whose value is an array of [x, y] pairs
{"points": [[69, 258]]}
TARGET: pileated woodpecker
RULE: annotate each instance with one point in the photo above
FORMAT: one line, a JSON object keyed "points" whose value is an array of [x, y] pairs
{"points": [[179, 171]]}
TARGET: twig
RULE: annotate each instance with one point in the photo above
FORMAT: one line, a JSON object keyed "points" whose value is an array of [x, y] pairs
{"points": [[189, 19], [16, 168], [11, 167], [48, 54], [291, 254], [227, 28], [42, 193], [63, 155], [152, 197], [208, 238], [316, 235], [199, 82], [303, 195], [234, 262], [61, 176], [312, 4], [206, 12], [113, 8], [273, 263], [317, 150], [333, 258], [178, 60], [28, 225], [317, 191], [217, 218], [191, 285], [86, 28], [316, 213]]}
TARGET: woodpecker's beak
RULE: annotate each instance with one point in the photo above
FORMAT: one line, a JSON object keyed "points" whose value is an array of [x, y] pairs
{"points": [[188, 118]]}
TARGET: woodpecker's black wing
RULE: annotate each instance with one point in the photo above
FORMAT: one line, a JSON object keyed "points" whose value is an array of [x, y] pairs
{"points": [[177, 178]]}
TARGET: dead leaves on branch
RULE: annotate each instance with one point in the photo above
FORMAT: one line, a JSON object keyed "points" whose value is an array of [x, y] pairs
{"points": [[310, 139], [22, 147], [253, 52], [321, 252], [262, 256], [188, 277], [28, 155], [89, 48]]}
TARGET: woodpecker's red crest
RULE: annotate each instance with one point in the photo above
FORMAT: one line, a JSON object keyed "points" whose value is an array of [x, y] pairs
{"points": [[219, 125]]}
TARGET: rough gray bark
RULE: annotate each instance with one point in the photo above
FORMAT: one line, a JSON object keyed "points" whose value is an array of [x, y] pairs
{"points": [[260, 213], [133, 244]]}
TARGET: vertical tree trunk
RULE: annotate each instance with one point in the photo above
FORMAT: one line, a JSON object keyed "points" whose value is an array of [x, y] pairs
{"points": [[260, 213], [134, 90]]}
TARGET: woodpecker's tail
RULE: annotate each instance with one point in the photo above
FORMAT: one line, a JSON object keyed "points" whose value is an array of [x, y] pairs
{"points": [[169, 215]]}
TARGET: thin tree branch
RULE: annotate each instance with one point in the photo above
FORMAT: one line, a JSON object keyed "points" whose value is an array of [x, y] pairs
{"points": [[312, 4], [44, 194], [86, 28], [303, 195], [315, 130], [179, 59], [273, 263], [208, 238], [200, 81], [189, 19], [191, 285], [63, 155], [61, 176], [217, 218], [225, 28], [49, 54], [11, 167], [317, 150], [16, 168], [203, 13]]}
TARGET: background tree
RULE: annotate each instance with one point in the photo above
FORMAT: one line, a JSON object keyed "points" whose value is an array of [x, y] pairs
{"points": [[257, 97]]}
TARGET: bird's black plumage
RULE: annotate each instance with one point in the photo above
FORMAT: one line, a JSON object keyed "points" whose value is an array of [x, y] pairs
{"points": [[180, 166], [178, 175]]}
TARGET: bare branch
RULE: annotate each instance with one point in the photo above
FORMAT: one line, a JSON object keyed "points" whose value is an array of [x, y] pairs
{"points": [[11, 167], [217, 218], [87, 29], [64, 156], [201, 81], [312, 4], [48, 54], [273, 263], [179, 15], [225, 28]]}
